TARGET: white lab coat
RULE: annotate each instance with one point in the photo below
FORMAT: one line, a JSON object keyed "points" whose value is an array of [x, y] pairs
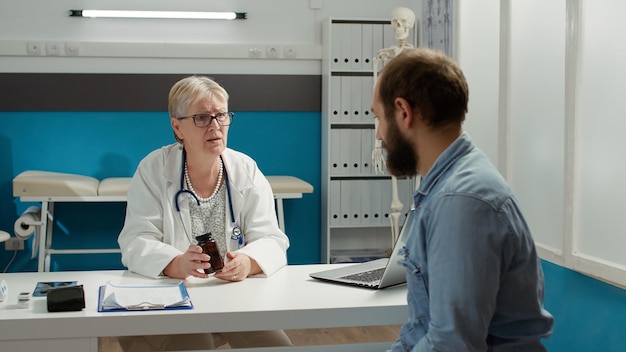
{"points": [[154, 232]]}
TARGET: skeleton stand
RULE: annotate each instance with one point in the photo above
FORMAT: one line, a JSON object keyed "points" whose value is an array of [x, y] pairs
{"points": [[402, 20], [377, 155]]}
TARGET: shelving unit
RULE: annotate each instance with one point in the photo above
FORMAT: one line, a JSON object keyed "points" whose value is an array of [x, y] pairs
{"points": [[355, 200]]}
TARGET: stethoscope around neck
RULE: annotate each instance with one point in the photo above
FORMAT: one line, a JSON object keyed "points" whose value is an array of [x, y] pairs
{"points": [[236, 233]]}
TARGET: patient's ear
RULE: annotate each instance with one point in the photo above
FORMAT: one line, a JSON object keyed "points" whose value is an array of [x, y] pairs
{"points": [[404, 109]]}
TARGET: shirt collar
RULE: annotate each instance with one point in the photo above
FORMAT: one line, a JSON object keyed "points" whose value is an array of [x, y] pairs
{"points": [[461, 146]]}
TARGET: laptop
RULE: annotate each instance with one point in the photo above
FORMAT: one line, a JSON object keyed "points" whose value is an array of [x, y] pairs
{"points": [[374, 274]]}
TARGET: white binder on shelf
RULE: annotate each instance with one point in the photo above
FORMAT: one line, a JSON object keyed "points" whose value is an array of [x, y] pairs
{"points": [[355, 152], [345, 33], [357, 106], [367, 51], [334, 166], [367, 89], [344, 152], [335, 47], [346, 99], [355, 203], [376, 203], [356, 43], [377, 39], [389, 37], [335, 99], [335, 202], [345, 203], [385, 200], [366, 204], [367, 143]]}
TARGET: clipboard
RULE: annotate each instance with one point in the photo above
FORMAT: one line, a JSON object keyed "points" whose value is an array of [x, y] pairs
{"points": [[115, 298]]}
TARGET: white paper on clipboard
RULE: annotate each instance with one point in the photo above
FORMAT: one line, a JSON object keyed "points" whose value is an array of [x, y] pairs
{"points": [[143, 297]]}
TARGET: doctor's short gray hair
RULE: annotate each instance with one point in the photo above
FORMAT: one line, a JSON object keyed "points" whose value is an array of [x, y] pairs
{"points": [[189, 90]]}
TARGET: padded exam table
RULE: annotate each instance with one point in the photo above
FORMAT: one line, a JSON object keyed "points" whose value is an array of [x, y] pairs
{"points": [[49, 188]]}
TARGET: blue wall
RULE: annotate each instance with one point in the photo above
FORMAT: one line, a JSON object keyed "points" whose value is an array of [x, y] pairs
{"points": [[589, 315], [111, 144]]}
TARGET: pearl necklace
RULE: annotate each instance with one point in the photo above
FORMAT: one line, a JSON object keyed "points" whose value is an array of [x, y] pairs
{"points": [[217, 186]]}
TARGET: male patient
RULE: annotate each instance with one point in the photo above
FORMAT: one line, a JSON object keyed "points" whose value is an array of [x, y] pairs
{"points": [[474, 280]]}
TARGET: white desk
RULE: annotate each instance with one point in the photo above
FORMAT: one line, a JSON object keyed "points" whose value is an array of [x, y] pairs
{"points": [[287, 300]]}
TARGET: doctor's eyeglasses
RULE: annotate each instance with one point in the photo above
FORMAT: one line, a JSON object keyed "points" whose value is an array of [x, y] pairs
{"points": [[203, 120]]}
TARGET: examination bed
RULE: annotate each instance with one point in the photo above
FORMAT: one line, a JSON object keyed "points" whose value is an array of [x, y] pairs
{"points": [[49, 188]]}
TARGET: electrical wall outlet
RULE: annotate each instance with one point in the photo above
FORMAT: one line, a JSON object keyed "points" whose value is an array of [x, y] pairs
{"points": [[53, 48], [255, 53], [14, 243], [33, 48], [72, 49], [272, 52], [289, 52]]}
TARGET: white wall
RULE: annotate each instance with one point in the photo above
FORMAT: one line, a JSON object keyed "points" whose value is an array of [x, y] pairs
{"points": [[537, 115], [600, 231], [175, 46], [152, 46], [566, 125], [478, 50]]}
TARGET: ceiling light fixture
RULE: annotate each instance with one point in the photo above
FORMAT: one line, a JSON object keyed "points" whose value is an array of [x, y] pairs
{"points": [[160, 14]]}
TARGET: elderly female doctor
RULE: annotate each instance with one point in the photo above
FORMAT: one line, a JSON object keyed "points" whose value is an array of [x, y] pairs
{"points": [[197, 186]]}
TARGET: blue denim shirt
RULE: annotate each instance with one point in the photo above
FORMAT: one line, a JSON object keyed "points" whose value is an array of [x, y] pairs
{"points": [[474, 280]]}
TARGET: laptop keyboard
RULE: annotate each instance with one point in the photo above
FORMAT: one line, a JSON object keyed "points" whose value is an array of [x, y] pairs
{"points": [[366, 276]]}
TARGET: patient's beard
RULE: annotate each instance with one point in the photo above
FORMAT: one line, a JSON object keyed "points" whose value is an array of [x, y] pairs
{"points": [[401, 159]]}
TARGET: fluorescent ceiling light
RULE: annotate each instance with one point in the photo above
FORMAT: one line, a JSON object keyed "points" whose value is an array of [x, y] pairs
{"points": [[160, 14]]}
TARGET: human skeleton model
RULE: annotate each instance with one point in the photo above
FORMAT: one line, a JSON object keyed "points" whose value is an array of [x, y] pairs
{"points": [[402, 20]]}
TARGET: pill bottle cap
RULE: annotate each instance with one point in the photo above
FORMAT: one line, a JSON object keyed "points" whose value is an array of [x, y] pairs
{"points": [[204, 238]]}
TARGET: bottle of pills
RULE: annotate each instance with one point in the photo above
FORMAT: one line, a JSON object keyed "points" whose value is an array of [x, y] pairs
{"points": [[209, 246]]}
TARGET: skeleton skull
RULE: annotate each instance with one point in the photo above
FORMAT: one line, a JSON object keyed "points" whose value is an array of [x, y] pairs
{"points": [[402, 20]]}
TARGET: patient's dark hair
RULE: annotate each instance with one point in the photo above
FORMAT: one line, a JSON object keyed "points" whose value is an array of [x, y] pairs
{"points": [[430, 82]]}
